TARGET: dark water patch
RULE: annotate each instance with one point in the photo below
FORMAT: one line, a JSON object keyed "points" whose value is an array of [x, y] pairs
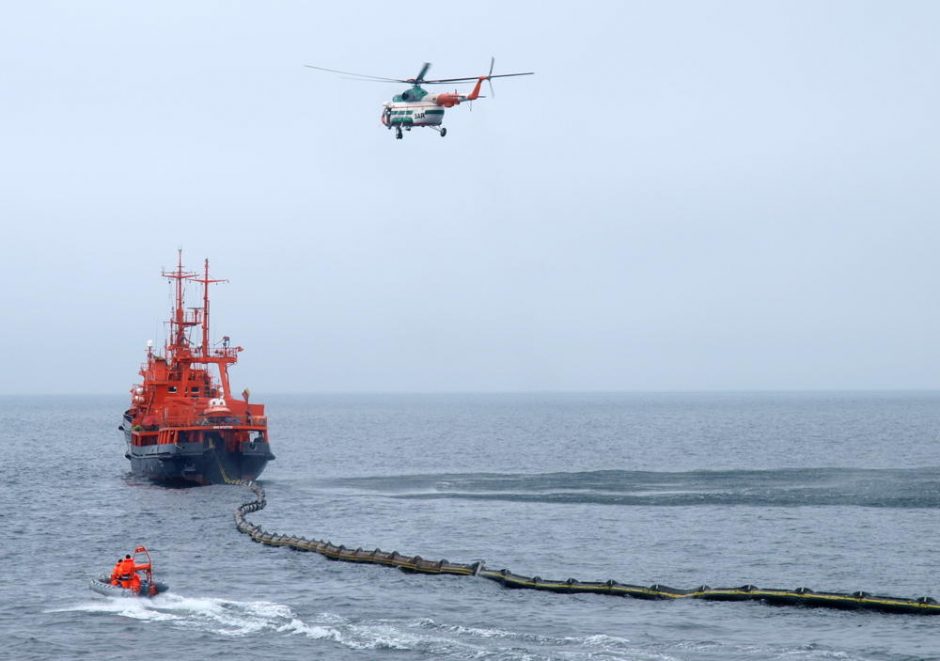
{"points": [[886, 488]]}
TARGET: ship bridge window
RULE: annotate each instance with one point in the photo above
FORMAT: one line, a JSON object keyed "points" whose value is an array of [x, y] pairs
{"points": [[172, 388], [194, 390]]}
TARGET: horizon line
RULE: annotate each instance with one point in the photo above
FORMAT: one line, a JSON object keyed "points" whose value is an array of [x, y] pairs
{"points": [[662, 391]]}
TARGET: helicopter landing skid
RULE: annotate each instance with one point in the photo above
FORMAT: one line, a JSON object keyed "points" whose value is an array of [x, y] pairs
{"points": [[398, 131]]}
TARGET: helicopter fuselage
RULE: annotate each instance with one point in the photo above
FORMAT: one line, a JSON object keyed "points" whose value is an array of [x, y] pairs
{"points": [[412, 113], [415, 107]]}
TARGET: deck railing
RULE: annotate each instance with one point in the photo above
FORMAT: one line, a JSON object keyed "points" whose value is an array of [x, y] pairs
{"points": [[189, 420]]}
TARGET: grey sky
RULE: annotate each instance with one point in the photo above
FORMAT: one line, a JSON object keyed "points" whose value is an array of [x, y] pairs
{"points": [[687, 195]]}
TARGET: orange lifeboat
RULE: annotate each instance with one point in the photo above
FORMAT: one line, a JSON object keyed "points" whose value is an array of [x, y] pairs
{"points": [[217, 408]]}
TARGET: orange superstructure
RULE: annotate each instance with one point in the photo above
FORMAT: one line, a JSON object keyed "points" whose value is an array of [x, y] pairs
{"points": [[183, 423]]}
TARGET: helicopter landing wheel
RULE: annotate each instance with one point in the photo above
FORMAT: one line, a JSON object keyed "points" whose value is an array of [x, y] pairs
{"points": [[398, 133], [443, 131]]}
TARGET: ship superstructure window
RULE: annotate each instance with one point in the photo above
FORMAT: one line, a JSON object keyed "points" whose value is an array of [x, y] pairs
{"points": [[172, 388], [194, 390]]}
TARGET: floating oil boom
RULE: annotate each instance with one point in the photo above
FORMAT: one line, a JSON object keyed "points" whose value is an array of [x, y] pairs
{"points": [[416, 564], [183, 424]]}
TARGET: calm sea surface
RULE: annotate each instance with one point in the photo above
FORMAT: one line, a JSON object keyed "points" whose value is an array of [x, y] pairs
{"points": [[831, 491]]}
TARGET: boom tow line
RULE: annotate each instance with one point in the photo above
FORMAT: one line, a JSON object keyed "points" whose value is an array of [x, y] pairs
{"points": [[416, 564]]}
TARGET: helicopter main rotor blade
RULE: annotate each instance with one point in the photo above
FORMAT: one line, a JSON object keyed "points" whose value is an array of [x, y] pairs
{"points": [[444, 81], [420, 77], [361, 76]]}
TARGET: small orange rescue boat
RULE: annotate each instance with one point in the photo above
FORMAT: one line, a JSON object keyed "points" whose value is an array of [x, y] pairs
{"points": [[132, 576]]}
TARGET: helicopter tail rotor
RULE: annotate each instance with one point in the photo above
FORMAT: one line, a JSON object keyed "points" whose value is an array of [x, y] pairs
{"points": [[489, 76]]}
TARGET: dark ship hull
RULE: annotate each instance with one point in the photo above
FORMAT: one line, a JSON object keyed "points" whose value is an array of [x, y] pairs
{"points": [[214, 459]]}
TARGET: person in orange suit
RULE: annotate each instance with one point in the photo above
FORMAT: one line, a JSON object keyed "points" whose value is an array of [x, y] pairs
{"points": [[129, 570], [126, 572], [143, 567], [116, 572]]}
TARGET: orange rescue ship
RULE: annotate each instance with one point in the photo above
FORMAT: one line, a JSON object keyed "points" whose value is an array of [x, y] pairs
{"points": [[183, 424]]}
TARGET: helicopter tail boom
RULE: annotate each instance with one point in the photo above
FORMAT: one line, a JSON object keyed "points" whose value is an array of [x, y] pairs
{"points": [[475, 92], [451, 99]]}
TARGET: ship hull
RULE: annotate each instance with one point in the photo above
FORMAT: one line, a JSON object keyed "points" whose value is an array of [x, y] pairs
{"points": [[213, 461]]}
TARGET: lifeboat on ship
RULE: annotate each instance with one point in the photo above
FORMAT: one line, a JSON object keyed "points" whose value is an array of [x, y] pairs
{"points": [[217, 409]]}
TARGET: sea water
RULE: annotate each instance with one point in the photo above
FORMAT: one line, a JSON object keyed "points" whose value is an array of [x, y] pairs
{"points": [[833, 491]]}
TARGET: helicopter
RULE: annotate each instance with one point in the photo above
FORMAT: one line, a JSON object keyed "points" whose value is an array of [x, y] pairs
{"points": [[415, 107]]}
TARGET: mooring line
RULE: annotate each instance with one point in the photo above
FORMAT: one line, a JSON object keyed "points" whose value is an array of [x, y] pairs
{"points": [[416, 564]]}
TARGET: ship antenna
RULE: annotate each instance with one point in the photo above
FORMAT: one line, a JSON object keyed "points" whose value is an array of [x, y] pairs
{"points": [[179, 297], [205, 310], [178, 323], [206, 281]]}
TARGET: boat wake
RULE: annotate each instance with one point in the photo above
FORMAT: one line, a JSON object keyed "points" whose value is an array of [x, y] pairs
{"points": [[221, 616], [889, 488], [259, 618], [426, 637]]}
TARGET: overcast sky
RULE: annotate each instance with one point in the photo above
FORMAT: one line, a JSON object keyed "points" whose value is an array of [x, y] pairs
{"points": [[686, 196]]}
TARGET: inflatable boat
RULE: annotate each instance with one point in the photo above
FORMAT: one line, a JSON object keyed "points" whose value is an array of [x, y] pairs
{"points": [[102, 585], [132, 577]]}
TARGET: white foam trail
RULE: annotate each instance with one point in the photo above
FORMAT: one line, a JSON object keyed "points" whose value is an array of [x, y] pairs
{"points": [[383, 636], [209, 613], [601, 640], [125, 607], [230, 618], [240, 618], [312, 631]]}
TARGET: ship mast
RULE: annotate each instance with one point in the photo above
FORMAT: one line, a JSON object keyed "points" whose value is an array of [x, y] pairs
{"points": [[177, 342], [206, 355], [206, 281], [179, 348]]}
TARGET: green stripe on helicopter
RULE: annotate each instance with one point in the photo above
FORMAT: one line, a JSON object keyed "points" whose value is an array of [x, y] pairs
{"points": [[429, 111]]}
